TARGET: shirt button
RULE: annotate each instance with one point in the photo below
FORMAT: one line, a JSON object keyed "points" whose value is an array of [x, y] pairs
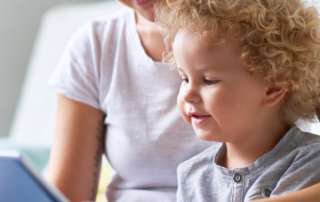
{"points": [[237, 178], [267, 193]]}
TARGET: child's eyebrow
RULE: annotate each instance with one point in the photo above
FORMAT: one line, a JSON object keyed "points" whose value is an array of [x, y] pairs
{"points": [[212, 68], [203, 69]]}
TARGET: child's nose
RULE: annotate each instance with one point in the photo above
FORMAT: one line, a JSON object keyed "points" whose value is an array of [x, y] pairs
{"points": [[190, 95]]}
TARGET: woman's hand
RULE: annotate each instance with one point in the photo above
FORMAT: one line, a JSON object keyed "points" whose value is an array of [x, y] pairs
{"points": [[76, 153], [310, 194]]}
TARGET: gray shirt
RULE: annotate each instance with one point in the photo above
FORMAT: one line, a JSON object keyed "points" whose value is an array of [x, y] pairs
{"points": [[293, 164]]}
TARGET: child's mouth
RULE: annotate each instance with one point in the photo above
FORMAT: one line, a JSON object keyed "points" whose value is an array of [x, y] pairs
{"points": [[195, 115], [198, 118]]}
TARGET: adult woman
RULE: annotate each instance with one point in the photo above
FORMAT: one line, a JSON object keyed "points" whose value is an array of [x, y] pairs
{"points": [[110, 74], [112, 67]]}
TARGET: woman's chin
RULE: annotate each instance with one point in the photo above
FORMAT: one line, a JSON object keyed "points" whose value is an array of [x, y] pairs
{"points": [[141, 2], [147, 14]]}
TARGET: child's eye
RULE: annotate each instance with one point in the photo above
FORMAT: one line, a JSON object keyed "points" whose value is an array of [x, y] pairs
{"points": [[210, 82], [185, 80]]}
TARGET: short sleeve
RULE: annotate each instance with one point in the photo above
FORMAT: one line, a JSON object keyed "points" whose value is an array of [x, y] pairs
{"points": [[77, 74]]}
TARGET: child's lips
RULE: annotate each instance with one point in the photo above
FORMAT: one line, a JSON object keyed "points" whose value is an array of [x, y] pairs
{"points": [[198, 118]]}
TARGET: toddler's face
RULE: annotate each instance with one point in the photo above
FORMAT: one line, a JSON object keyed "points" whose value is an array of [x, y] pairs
{"points": [[218, 96]]}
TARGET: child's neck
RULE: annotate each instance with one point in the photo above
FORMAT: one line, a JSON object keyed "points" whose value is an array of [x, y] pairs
{"points": [[244, 153]]}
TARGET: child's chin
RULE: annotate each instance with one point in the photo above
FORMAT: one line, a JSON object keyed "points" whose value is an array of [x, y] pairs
{"points": [[206, 137]]}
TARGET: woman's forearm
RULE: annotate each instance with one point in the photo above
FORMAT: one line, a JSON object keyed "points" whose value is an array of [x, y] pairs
{"points": [[76, 153], [310, 194]]}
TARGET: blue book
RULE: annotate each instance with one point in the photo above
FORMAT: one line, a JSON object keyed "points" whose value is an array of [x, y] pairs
{"points": [[19, 181]]}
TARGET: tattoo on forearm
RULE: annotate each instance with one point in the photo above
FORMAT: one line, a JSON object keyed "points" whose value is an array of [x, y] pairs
{"points": [[99, 137]]}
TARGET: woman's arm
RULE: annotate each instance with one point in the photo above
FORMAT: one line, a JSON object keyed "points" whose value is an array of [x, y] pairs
{"points": [[310, 194], [75, 159]]}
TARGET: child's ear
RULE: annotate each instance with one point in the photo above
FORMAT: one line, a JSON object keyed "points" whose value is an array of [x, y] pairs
{"points": [[273, 95]]}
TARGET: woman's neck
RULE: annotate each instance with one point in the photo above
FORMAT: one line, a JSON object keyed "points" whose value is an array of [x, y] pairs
{"points": [[150, 37]]}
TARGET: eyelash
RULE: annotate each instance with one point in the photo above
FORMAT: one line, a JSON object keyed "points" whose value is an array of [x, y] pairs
{"points": [[185, 80], [206, 81], [210, 82]]}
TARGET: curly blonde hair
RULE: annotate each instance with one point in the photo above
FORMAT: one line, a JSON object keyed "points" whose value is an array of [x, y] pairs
{"points": [[279, 40]]}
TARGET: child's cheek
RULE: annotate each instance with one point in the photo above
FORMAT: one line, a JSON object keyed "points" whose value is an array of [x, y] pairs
{"points": [[181, 106]]}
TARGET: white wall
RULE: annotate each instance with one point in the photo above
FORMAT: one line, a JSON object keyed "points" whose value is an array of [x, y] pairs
{"points": [[19, 21]]}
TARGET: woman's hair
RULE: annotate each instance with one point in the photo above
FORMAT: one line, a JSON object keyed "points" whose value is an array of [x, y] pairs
{"points": [[279, 41]]}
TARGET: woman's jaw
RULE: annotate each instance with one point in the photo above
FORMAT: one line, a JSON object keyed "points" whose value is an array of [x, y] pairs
{"points": [[143, 7], [141, 2]]}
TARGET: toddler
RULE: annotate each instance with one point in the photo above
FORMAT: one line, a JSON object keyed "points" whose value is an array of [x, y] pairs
{"points": [[250, 70]]}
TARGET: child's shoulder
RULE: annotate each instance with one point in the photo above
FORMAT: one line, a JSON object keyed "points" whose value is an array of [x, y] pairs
{"points": [[297, 166], [305, 141], [303, 148]]}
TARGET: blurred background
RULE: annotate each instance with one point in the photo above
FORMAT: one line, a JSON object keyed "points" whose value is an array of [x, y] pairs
{"points": [[19, 23], [33, 34]]}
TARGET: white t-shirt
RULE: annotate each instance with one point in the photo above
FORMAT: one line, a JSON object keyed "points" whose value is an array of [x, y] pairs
{"points": [[106, 67]]}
